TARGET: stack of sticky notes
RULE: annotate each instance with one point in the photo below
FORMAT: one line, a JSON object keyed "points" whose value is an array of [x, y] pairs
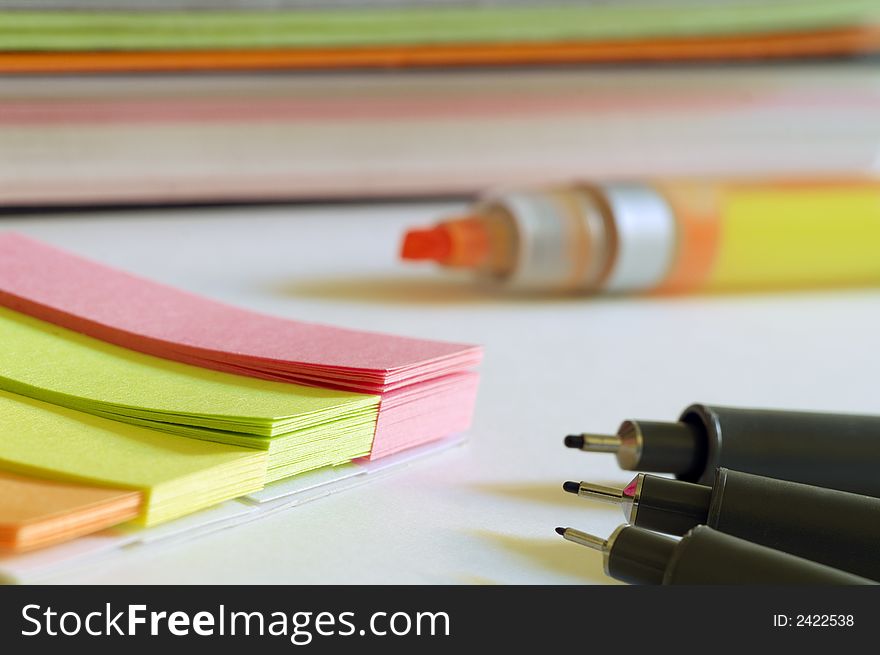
{"points": [[112, 381], [434, 379]]}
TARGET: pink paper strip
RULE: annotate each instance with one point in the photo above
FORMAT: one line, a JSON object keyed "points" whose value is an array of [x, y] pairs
{"points": [[129, 311], [424, 412]]}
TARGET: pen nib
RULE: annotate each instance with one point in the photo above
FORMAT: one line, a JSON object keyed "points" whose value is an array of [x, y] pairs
{"points": [[582, 538], [627, 498], [574, 441], [594, 443]]}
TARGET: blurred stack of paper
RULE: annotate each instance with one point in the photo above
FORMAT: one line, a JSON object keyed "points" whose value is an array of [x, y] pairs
{"points": [[89, 35], [185, 138], [35, 513], [176, 476], [214, 137]]}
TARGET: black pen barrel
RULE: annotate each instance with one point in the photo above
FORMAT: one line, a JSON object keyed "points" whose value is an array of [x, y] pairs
{"points": [[825, 525], [706, 556], [838, 451]]}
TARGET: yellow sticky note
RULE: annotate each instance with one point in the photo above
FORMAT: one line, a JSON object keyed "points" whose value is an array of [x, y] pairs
{"points": [[177, 476]]}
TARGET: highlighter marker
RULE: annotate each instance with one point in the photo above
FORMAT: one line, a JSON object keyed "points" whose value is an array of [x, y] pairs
{"points": [[832, 527], [702, 556], [839, 451], [668, 236]]}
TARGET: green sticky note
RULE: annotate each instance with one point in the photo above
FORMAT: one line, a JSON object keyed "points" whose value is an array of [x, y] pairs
{"points": [[176, 476], [301, 427]]}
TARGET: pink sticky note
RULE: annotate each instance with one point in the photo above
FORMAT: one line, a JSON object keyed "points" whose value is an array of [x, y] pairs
{"points": [[136, 313], [424, 412]]}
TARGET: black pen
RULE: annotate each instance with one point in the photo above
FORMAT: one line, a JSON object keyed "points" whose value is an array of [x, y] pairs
{"points": [[833, 527], [703, 556], [839, 451]]}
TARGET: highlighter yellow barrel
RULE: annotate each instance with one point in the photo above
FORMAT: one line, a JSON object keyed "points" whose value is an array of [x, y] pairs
{"points": [[680, 235], [795, 234]]}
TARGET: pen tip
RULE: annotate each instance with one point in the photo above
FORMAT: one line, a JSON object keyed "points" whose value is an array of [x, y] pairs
{"points": [[560, 531], [571, 487], [574, 441]]}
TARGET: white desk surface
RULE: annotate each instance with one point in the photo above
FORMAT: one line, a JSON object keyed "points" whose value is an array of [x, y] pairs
{"points": [[484, 513]]}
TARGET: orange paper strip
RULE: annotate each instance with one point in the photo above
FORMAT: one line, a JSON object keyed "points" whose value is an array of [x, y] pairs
{"points": [[36, 513], [819, 43]]}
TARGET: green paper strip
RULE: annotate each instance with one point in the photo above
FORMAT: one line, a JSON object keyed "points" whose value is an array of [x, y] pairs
{"points": [[58, 30], [300, 427]]}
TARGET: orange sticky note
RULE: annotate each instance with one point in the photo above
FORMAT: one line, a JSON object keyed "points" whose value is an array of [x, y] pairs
{"points": [[36, 512]]}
